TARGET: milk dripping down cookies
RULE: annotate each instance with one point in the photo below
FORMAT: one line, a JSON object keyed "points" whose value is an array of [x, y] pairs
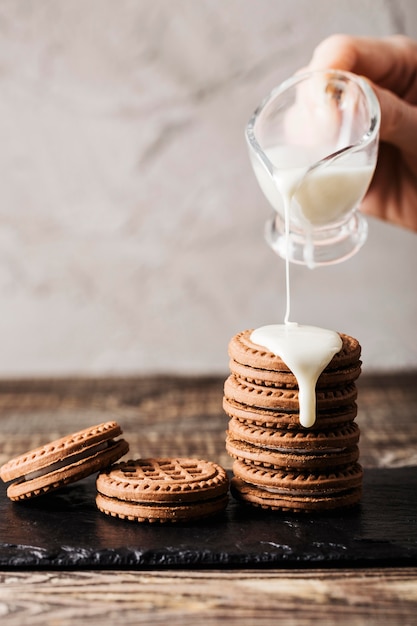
{"points": [[281, 463], [291, 393], [291, 399]]}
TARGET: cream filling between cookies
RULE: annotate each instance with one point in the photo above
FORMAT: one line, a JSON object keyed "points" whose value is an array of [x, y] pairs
{"points": [[74, 458], [306, 350], [307, 452], [298, 493]]}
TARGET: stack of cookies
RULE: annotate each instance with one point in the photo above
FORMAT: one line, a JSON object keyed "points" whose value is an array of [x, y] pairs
{"points": [[279, 464]]}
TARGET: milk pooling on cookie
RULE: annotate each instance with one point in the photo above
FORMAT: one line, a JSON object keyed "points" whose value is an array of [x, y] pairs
{"points": [[306, 350]]}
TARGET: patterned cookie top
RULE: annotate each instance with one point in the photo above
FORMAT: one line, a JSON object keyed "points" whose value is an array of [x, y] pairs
{"points": [[59, 449], [299, 440], [163, 480], [261, 396], [244, 351]]}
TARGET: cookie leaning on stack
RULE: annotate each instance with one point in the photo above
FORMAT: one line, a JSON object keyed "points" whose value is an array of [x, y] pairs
{"points": [[63, 461], [279, 464]]}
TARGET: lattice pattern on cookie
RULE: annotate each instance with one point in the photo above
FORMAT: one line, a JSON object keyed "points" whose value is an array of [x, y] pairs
{"points": [[151, 476], [171, 470]]}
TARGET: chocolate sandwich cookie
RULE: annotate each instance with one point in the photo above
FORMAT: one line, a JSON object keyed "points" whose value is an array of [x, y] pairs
{"points": [[297, 491], [163, 490], [291, 459], [244, 351], [63, 461], [285, 482], [286, 380], [286, 440], [269, 397], [270, 418], [296, 503]]}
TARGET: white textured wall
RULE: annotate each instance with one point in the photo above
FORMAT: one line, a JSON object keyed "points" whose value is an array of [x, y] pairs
{"points": [[131, 225]]}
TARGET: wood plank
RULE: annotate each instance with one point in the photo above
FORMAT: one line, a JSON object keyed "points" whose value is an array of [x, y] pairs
{"points": [[183, 415], [354, 597], [178, 415]]}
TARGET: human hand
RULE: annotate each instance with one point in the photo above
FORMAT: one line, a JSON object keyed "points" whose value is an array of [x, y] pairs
{"points": [[390, 65]]}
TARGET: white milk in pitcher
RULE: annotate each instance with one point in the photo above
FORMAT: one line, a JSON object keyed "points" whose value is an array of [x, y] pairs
{"points": [[324, 197]]}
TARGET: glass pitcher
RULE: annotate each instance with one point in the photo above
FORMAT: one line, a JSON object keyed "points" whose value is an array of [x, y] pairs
{"points": [[313, 144]]}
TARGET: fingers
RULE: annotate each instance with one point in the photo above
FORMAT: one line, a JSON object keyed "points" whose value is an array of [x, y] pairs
{"points": [[391, 66], [338, 52], [398, 121], [389, 62], [392, 195]]}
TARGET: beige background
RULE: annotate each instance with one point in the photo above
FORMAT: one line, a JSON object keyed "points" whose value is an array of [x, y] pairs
{"points": [[131, 225]]}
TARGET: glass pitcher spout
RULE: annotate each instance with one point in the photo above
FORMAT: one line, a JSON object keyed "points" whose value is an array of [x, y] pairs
{"points": [[313, 145]]}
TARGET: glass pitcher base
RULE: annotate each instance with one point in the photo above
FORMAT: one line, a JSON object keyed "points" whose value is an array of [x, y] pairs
{"points": [[324, 247]]}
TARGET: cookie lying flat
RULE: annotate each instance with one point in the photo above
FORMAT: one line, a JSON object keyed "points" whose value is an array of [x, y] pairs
{"points": [[162, 490], [63, 461]]}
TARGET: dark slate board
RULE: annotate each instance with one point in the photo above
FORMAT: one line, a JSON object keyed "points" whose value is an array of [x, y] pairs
{"points": [[65, 531]]}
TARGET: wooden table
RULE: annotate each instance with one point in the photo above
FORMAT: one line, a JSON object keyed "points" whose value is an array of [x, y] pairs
{"points": [[183, 416]]}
